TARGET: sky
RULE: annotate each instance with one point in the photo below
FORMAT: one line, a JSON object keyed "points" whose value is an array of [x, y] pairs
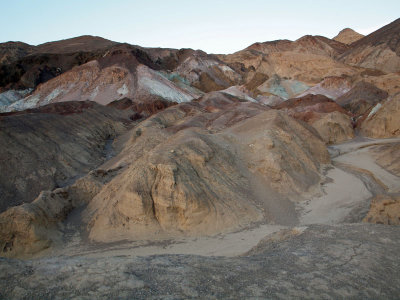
{"points": [[217, 26]]}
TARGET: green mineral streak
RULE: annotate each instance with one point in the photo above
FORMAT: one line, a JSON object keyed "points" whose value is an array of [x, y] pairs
{"points": [[298, 87], [285, 88], [174, 77], [279, 90], [180, 81]]}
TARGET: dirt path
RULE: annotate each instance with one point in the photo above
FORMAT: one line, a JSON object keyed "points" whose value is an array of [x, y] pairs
{"points": [[228, 245], [343, 193], [362, 159], [351, 183]]}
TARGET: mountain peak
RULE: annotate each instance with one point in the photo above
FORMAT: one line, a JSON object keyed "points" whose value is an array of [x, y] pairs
{"points": [[348, 36]]}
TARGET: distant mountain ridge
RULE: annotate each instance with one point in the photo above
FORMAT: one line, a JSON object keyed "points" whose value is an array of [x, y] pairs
{"points": [[59, 71]]}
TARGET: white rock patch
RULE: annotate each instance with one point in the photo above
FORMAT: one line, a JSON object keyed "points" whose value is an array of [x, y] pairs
{"points": [[54, 93], [123, 90], [9, 97], [160, 89], [374, 110], [26, 103]]}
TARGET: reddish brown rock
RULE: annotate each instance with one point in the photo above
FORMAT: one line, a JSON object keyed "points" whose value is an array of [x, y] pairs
{"points": [[332, 122], [308, 107]]}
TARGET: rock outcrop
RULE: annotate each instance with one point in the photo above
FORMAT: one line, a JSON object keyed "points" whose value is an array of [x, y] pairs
{"points": [[9, 97], [32, 227], [283, 88], [334, 127], [317, 45], [385, 209], [29, 228]]}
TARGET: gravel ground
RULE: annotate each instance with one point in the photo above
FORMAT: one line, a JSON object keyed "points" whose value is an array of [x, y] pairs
{"points": [[329, 262]]}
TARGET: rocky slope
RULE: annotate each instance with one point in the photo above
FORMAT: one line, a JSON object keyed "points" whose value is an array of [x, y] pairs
{"points": [[378, 50], [53, 145], [309, 59], [361, 98]]}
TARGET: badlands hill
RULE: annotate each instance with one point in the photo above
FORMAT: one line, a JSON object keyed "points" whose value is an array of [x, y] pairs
{"points": [[347, 36], [273, 158]]}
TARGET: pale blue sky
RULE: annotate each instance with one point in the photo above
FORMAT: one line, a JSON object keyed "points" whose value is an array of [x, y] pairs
{"points": [[213, 26]]}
